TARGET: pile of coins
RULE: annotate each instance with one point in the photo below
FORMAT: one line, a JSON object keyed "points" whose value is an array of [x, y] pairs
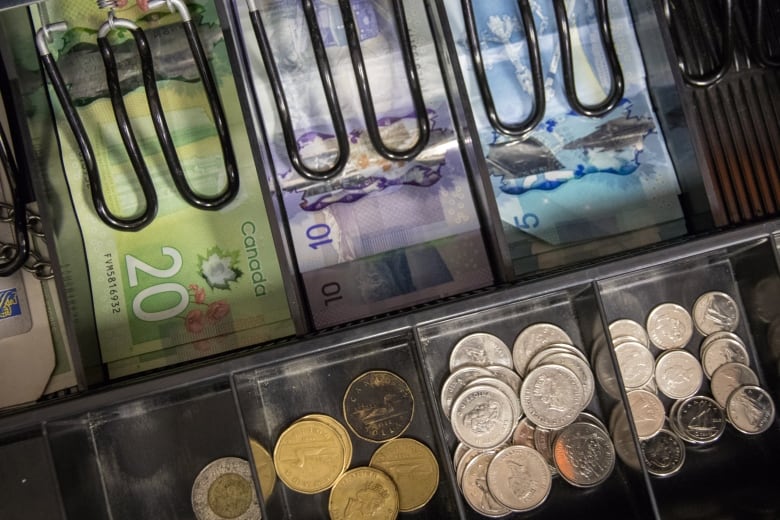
{"points": [[520, 419], [314, 453], [679, 375]]}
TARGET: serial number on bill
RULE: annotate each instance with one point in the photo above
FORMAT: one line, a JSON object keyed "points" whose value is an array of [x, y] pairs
{"points": [[113, 284]]}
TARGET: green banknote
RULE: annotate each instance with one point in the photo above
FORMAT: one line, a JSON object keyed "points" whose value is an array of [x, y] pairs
{"points": [[191, 275]]}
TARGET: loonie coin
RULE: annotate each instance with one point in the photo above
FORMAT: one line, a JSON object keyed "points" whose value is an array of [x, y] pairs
{"points": [[363, 493], [581, 369], [698, 420], [678, 374], [728, 378], [715, 311], [533, 339], [583, 454], [664, 453], [264, 465], [309, 456], [339, 429], [636, 364], [413, 469], [552, 396], [514, 399], [519, 478], [475, 488], [378, 406], [626, 328], [456, 382], [647, 411], [751, 409], [722, 351], [482, 417], [669, 326], [480, 349], [224, 489]]}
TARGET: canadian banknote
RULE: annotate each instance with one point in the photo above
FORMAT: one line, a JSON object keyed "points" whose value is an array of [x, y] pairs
{"points": [[379, 235], [573, 179], [191, 275]]}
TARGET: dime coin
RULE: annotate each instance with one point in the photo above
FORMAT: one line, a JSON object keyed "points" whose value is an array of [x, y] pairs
{"points": [[339, 429], [476, 490], [514, 400], [413, 469], [669, 326], [678, 374], [480, 349], [534, 338], [557, 348], [552, 396], [584, 454], [378, 406], [508, 376], [664, 453], [622, 437], [264, 465], [309, 456], [723, 334], [580, 368], [722, 351], [628, 328], [363, 493], [524, 434], [456, 382], [699, 419], [482, 417], [519, 478], [636, 364], [751, 409], [647, 411], [728, 378], [715, 311], [224, 489]]}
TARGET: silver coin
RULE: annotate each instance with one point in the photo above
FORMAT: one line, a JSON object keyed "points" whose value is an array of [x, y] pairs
{"points": [[765, 299], [481, 349], [678, 374], [580, 368], [636, 364], [584, 454], [534, 338], [543, 440], [751, 409], [476, 490], [557, 348], [699, 419], [524, 434], [715, 311], [728, 378], [508, 376], [519, 478], [456, 382], [715, 336], [224, 489], [773, 337], [664, 453], [467, 457], [722, 351], [460, 451], [647, 411], [514, 399], [605, 373], [592, 419], [669, 326], [628, 328], [552, 396], [482, 417], [650, 386], [623, 438]]}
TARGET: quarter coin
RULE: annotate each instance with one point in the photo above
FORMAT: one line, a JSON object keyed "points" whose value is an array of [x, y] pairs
{"points": [[508, 376], [751, 409], [481, 349], [224, 489], [519, 478], [413, 469], [309, 456], [628, 328], [584, 454], [533, 339], [715, 311], [669, 326], [636, 364], [524, 434], [678, 374], [363, 493], [456, 382], [514, 400], [664, 453], [378, 406], [475, 487], [581, 369], [552, 396], [728, 378], [482, 417], [557, 348]]}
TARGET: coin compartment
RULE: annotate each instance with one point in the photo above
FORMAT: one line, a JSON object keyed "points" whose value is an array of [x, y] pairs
{"points": [[140, 459], [734, 477], [576, 310], [274, 395]]}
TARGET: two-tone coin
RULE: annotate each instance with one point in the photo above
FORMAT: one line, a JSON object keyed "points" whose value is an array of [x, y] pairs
{"points": [[224, 489], [378, 406], [669, 326], [412, 467], [481, 349], [664, 453], [363, 492], [715, 311]]}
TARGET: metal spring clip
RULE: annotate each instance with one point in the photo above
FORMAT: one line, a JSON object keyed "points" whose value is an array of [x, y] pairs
{"points": [[12, 260]]}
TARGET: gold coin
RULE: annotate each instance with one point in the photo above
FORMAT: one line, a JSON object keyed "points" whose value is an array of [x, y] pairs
{"points": [[363, 493], [264, 465], [412, 467], [230, 495], [378, 406], [309, 456], [343, 434]]}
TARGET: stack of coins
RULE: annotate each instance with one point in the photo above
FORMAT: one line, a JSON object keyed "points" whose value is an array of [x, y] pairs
{"points": [[314, 453], [519, 416], [679, 375]]}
